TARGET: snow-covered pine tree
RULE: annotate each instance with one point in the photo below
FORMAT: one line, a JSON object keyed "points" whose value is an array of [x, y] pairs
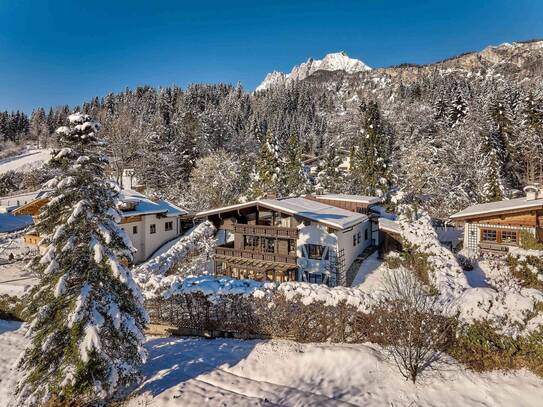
{"points": [[458, 109], [329, 177], [267, 176], [493, 188], [86, 334], [295, 181], [531, 147], [370, 159]]}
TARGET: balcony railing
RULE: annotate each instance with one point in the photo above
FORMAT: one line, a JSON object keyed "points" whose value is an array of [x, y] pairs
{"points": [[269, 231], [495, 247], [248, 254]]}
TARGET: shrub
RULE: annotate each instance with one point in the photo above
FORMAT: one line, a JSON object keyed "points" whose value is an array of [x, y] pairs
{"points": [[527, 269], [11, 308], [481, 348], [529, 242]]}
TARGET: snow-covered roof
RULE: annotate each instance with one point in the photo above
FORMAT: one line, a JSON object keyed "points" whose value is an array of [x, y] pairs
{"points": [[305, 208], [146, 206], [350, 198], [497, 207], [389, 225]]}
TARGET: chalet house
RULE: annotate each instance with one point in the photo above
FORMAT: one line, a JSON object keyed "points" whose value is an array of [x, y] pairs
{"points": [[495, 227], [148, 223], [312, 239]]}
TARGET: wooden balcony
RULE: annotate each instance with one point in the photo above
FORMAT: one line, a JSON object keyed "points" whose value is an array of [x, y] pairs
{"points": [[269, 231], [224, 252], [498, 248]]}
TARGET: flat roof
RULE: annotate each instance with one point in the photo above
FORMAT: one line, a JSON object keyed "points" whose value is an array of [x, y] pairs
{"points": [[389, 225], [350, 198], [497, 207], [305, 208]]}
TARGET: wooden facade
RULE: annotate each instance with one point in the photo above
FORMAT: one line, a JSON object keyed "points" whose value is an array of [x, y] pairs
{"points": [[496, 232], [353, 206], [263, 245]]}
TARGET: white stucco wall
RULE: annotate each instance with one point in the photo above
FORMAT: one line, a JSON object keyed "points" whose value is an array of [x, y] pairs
{"points": [[147, 243], [316, 233], [345, 242]]}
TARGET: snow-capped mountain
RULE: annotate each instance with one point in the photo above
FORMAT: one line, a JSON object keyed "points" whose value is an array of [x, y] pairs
{"points": [[338, 61]]}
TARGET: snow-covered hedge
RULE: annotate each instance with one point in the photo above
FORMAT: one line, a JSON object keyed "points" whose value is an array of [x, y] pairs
{"points": [[299, 311], [159, 273]]}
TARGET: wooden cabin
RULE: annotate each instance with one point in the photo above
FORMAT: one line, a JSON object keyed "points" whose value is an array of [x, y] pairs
{"points": [[496, 226]]}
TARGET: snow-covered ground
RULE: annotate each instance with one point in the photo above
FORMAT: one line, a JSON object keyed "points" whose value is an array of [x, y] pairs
{"points": [[369, 277], [26, 161], [228, 372], [14, 280]]}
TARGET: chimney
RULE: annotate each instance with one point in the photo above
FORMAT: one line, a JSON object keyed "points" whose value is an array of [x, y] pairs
{"points": [[270, 195], [533, 192]]}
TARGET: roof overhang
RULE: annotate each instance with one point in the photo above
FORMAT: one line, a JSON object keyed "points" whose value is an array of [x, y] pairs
{"points": [[489, 212], [279, 208]]}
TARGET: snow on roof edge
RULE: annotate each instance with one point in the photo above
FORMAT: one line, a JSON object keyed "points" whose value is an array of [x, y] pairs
{"points": [[271, 205], [471, 211]]}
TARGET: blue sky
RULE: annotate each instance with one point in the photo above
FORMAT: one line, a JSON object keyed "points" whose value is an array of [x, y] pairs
{"points": [[64, 52]]}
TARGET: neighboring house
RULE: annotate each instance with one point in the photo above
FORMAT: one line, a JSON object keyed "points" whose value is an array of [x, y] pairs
{"points": [[148, 223], [11, 202], [291, 239], [496, 226]]}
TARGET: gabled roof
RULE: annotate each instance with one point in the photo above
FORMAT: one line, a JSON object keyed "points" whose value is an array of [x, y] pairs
{"points": [[350, 198], [511, 205], [316, 211]]}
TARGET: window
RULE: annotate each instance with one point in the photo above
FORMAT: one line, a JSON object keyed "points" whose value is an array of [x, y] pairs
{"points": [[509, 236], [366, 234], [315, 251], [358, 238], [153, 228], [250, 242], [268, 245], [292, 247], [489, 235], [168, 226], [135, 230], [354, 240]]}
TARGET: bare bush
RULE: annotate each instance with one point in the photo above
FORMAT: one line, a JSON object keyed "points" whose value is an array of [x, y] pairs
{"points": [[418, 331]]}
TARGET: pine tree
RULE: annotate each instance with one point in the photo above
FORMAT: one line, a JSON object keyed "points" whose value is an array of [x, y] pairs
{"points": [[493, 188], [267, 177], [458, 109], [39, 130], [87, 312], [370, 159], [329, 177], [295, 181]]}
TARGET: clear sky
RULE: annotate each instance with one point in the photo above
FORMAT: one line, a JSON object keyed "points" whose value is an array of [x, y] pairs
{"points": [[64, 52]]}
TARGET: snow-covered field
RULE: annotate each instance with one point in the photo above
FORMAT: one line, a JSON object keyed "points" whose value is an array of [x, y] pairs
{"points": [[26, 161], [228, 372]]}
